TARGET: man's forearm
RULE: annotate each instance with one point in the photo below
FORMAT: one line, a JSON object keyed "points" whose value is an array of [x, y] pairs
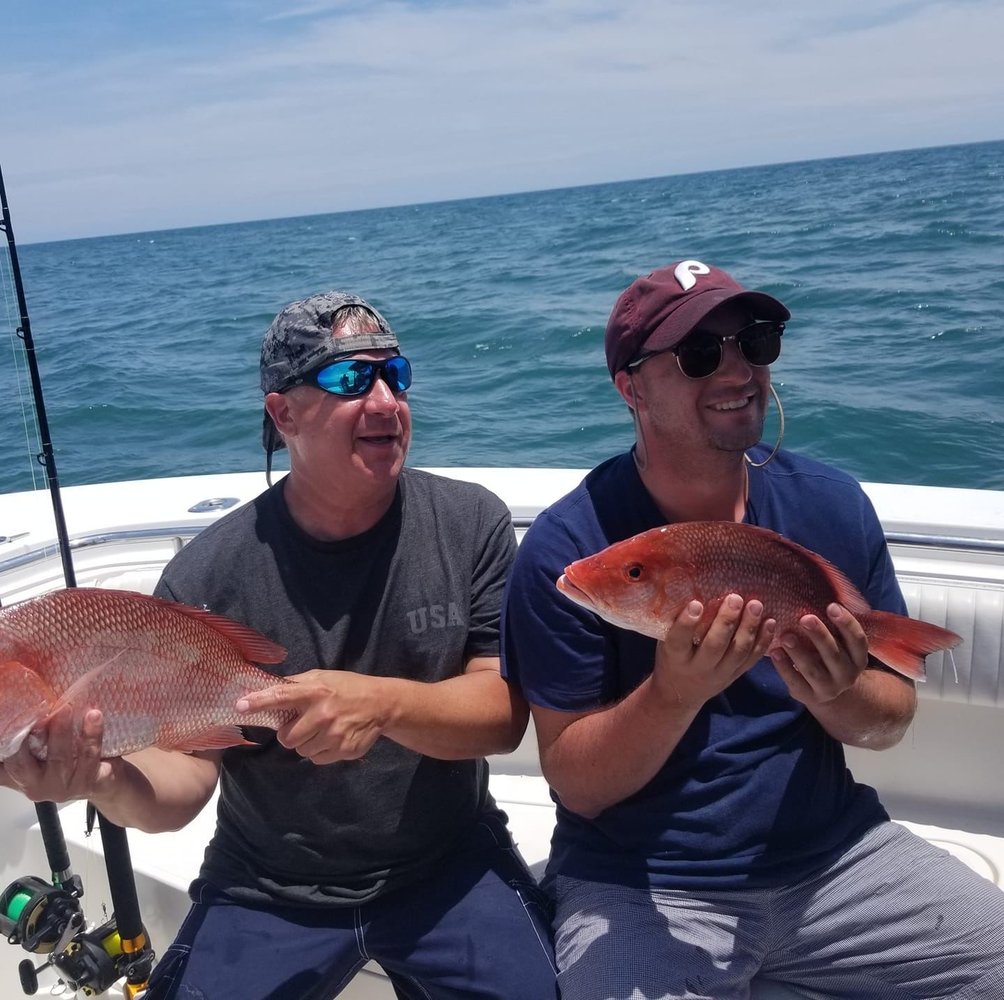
{"points": [[157, 790], [472, 715], [874, 713], [603, 757]]}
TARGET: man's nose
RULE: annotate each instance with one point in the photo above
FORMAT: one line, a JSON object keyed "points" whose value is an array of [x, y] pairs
{"points": [[733, 360], [381, 396]]}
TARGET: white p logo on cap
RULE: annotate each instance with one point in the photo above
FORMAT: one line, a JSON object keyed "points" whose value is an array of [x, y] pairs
{"points": [[685, 273]]}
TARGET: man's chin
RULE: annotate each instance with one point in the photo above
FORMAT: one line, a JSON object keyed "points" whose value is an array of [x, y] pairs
{"points": [[737, 444]]}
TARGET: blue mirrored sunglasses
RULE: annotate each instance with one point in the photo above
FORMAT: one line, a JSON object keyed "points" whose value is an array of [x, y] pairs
{"points": [[355, 376]]}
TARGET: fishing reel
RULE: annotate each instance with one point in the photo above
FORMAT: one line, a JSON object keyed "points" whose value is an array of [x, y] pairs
{"points": [[36, 914], [48, 920]]}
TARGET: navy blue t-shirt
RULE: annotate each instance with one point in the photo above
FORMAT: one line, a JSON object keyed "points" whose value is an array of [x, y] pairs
{"points": [[756, 793]]}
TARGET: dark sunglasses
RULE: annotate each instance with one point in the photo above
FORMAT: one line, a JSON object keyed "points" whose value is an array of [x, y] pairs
{"points": [[355, 376], [700, 353]]}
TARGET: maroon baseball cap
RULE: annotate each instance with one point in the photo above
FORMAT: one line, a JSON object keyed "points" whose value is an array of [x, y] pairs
{"points": [[657, 311]]}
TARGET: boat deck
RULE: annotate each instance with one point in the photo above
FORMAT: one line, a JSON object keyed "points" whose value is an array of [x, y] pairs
{"points": [[166, 863]]}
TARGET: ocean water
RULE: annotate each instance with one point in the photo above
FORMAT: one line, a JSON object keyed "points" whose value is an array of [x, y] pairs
{"points": [[892, 367]]}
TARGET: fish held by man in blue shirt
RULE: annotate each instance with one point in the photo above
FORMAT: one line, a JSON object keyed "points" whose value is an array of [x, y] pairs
{"points": [[644, 582]]}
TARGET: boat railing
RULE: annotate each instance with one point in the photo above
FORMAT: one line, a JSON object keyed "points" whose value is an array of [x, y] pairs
{"points": [[948, 577], [183, 533]]}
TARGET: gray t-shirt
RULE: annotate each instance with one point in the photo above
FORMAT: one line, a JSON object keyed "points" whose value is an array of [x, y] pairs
{"points": [[415, 596]]}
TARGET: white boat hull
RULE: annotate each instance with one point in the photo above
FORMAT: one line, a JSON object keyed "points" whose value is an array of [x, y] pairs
{"points": [[943, 780]]}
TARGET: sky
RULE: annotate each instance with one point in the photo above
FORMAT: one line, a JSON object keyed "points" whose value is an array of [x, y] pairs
{"points": [[127, 116]]}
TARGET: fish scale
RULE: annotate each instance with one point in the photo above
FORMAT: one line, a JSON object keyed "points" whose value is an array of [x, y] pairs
{"points": [[161, 672], [644, 582], [762, 566]]}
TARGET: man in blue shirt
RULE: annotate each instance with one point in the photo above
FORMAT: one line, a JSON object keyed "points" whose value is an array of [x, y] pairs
{"points": [[708, 828]]}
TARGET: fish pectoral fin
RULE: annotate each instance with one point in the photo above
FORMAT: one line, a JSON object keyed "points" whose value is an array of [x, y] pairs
{"points": [[215, 738], [76, 693]]}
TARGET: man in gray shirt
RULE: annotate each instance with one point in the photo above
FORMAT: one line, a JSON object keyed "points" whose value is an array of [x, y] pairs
{"points": [[363, 829]]}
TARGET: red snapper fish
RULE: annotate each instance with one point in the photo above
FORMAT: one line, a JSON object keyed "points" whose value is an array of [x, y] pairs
{"points": [[163, 674], [644, 582]]}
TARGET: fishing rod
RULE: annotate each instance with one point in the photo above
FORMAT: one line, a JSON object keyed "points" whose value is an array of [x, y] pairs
{"points": [[47, 456], [46, 918]]}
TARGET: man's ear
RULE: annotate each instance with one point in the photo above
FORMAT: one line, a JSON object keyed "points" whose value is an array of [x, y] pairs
{"points": [[277, 404], [626, 385]]}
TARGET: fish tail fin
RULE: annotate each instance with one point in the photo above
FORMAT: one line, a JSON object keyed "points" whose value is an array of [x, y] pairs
{"points": [[902, 643]]}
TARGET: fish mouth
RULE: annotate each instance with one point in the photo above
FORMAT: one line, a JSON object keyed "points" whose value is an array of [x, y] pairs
{"points": [[573, 593]]}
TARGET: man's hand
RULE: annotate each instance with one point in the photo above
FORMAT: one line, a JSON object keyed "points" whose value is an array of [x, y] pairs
{"points": [[339, 714], [692, 664], [830, 675], [816, 665], [73, 768]]}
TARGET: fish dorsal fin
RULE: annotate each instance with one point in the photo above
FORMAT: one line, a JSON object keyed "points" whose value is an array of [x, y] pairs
{"points": [[250, 644], [846, 593]]}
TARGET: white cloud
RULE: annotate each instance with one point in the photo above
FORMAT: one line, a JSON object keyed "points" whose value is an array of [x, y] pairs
{"points": [[329, 106]]}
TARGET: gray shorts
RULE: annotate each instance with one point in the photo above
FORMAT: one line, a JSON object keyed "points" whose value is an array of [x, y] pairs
{"points": [[893, 917]]}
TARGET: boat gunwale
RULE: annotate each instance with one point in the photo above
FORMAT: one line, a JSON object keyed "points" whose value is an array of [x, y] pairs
{"points": [[188, 530]]}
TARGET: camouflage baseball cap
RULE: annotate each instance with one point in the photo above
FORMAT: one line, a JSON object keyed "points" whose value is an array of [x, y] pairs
{"points": [[302, 337]]}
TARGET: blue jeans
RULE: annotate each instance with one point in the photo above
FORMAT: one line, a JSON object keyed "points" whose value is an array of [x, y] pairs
{"points": [[479, 929]]}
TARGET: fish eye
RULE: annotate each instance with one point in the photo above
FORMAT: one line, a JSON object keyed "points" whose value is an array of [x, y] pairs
{"points": [[634, 571]]}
